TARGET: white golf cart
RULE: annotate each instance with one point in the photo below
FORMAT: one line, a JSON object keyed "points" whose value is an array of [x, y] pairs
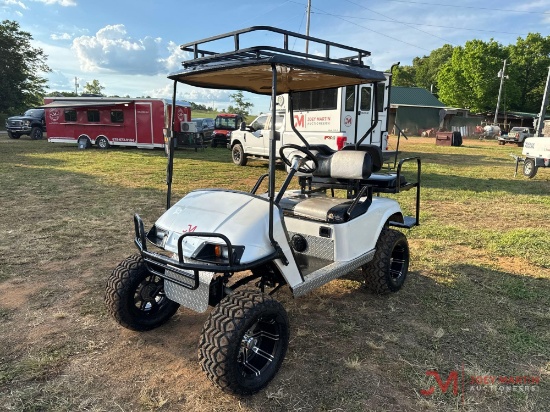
{"points": [[302, 238]]}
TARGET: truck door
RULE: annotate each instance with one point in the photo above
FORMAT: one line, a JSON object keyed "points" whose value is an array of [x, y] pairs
{"points": [[144, 123], [257, 141]]}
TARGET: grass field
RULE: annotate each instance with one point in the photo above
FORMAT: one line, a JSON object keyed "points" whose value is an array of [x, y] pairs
{"points": [[475, 307]]}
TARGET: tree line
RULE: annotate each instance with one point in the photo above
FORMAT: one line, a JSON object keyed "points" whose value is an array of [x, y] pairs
{"points": [[468, 76], [461, 76]]}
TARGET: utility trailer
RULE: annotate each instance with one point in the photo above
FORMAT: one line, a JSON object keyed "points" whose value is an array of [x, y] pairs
{"points": [[234, 250], [537, 154], [106, 122]]}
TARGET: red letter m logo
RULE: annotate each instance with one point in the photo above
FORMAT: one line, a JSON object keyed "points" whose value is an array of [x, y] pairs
{"points": [[299, 121], [453, 377]]}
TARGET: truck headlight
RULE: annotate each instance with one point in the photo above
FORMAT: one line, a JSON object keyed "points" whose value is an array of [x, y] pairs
{"points": [[228, 134], [27, 123], [218, 253]]}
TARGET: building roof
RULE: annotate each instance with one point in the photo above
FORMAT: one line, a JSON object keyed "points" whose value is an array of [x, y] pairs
{"points": [[413, 96]]}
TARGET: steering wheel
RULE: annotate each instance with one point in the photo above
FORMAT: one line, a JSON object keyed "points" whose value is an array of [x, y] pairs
{"points": [[303, 167]]}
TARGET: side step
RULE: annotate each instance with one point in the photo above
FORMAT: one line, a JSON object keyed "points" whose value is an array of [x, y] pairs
{"points": [[408, 223], [331, 272]]}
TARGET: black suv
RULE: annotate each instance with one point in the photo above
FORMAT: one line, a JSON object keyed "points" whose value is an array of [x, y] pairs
{"points": [[32, 123], [205, 128]]}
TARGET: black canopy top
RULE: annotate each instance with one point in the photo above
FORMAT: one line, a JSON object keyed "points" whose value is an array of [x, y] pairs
{"points": [[250, 68]]}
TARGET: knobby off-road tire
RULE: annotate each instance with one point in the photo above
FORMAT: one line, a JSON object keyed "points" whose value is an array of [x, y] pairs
{"points": [[387, 271], [135, 297], [244, 341], [12, 135]]}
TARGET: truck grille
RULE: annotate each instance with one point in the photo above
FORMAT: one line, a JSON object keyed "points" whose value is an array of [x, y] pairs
{"points": [[15, 123]]}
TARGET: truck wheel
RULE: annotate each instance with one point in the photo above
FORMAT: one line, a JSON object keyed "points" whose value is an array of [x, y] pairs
{"points": [[36, 133], [135, 297], [388, 270], [501, 142], [244, 341], [214, 143], [529, 168], [12, 135], [520, 144], [102, 143], [238, 155]]}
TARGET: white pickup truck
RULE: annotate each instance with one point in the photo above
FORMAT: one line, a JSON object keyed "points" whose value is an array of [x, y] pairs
{"points": [[253, 141]]}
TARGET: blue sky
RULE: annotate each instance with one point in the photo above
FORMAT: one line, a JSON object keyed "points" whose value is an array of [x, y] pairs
{"points": [[131, 46]]}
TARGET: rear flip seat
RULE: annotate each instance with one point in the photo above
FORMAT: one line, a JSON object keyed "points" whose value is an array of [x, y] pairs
{"points": [[346, 166]]}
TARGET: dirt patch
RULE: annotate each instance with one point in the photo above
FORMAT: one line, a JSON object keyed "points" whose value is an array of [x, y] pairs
{"points": [[464, 307]]}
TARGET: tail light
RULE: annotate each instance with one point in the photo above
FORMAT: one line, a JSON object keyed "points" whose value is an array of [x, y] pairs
{"points": [[341, 142]]}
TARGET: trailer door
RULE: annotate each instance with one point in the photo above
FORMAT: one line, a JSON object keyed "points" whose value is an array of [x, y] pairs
{"points": [[144, 123], [364, 112]]}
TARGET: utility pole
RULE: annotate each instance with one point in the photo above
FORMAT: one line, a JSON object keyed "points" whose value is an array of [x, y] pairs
{"points": [[75, 85], [501, 75], [308, 11], [542, 114]]}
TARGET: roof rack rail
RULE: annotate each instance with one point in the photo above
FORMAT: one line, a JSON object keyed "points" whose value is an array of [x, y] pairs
{"points": [[201, 55]]}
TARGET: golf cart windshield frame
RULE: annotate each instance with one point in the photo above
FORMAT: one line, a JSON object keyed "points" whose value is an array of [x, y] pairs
{"points": [[269, 70]]}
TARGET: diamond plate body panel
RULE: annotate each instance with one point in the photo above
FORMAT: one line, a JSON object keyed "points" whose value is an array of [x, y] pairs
{"points": [[331, 272], [320, 247], [197, 299]]}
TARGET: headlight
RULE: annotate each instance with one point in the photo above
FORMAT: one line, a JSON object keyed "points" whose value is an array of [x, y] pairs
{"points": [[218, 253], [228, 134], [27, 123]]}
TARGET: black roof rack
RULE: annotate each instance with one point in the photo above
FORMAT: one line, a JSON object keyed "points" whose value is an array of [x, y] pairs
{"points": [[244, 68]]}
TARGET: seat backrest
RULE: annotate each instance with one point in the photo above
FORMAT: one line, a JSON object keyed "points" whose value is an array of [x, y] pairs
{"points": [[375, 152], [344, 164]]}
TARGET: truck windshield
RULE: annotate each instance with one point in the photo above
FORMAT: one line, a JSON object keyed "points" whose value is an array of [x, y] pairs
{"points": [[34, 113], [228, 123]]}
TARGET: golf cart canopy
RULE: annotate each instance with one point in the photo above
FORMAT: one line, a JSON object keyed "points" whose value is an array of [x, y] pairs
{"points": [[251, 69]]}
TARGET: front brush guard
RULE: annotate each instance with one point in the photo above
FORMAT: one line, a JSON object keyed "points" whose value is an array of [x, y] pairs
{"points": [[161, 265]]}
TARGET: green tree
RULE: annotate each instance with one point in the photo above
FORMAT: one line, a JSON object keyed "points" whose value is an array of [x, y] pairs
{"points": [[94, 88], [21, 85], [427, 68], [404, 76], [61, 94], [241, 107], [470, 79], [528, 68]]}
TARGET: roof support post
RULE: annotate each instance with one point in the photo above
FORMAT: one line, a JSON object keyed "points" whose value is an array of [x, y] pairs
{"points": [[170, 167]]}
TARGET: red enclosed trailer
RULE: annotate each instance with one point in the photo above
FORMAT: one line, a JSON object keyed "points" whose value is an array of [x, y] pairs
{"points": [[106, 122]]}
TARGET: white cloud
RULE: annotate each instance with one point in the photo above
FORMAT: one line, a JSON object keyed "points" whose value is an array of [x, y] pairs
{"points": [[15, 3], [61, 36], [113, 50], [63, 3]]}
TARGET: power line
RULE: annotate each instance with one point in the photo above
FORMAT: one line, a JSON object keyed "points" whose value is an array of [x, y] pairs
{"points": [[423, 24], [470, 7], [383, 15], [371, 30]]}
